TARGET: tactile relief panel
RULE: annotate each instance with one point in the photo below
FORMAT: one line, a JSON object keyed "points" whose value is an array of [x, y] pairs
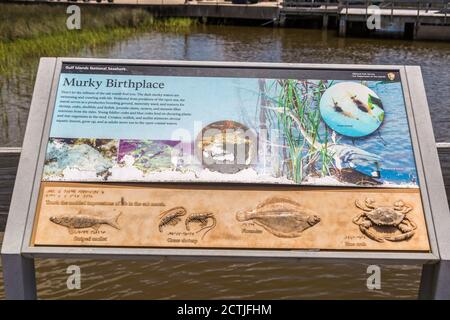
{"points": [[196, 216]]}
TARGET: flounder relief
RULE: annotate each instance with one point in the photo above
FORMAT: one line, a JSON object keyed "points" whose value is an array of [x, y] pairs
{"points": [[385, 223], [280, 216], [83, 220]]}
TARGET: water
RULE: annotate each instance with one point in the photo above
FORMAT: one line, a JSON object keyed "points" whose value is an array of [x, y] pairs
{"points": [[221, 279], [202, 279]]}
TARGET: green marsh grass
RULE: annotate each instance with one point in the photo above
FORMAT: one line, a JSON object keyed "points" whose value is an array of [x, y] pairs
{"points": [[306, 140], [28, 32]]}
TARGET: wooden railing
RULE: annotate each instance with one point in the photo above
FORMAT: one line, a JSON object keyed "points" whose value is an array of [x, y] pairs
{"points": [[440, 5], [343, 6], [407, 4], [9, 160], [308, 4]]}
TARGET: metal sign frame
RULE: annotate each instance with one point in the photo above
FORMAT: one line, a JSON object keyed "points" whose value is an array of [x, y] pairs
{"points": [[18, 255]]}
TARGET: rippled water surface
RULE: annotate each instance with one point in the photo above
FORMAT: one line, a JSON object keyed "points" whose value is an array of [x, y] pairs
{"points": [[221, 279], [202, 279], [232, 43]]}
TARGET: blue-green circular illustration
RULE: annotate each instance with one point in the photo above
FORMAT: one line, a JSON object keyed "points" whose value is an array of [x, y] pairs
{"points": [[351, 109]]}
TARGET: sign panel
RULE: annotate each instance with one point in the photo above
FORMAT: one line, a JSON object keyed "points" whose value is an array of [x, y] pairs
{"points": [[227, 217], [275, 159], [345, 129]]}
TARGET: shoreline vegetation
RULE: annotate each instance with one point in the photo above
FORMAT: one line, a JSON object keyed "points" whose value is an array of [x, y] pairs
{"points": [[28, 32]]}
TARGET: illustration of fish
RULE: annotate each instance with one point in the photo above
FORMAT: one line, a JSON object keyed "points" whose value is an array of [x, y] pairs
{"points": [[280, 216], [338, 109], [361, 105], [82, 221]]}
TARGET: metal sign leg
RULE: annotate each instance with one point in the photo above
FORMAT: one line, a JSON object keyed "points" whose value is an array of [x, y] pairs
{"points": [[19, 277], [435, 281], [442, 281], [426, 281]]}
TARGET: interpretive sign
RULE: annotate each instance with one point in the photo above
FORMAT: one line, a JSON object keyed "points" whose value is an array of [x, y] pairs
{"points": [[157, 155], [125, 158], [345, 131]]}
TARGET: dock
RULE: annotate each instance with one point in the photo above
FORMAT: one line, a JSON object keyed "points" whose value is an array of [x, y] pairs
{"points": [[415, 19]]}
